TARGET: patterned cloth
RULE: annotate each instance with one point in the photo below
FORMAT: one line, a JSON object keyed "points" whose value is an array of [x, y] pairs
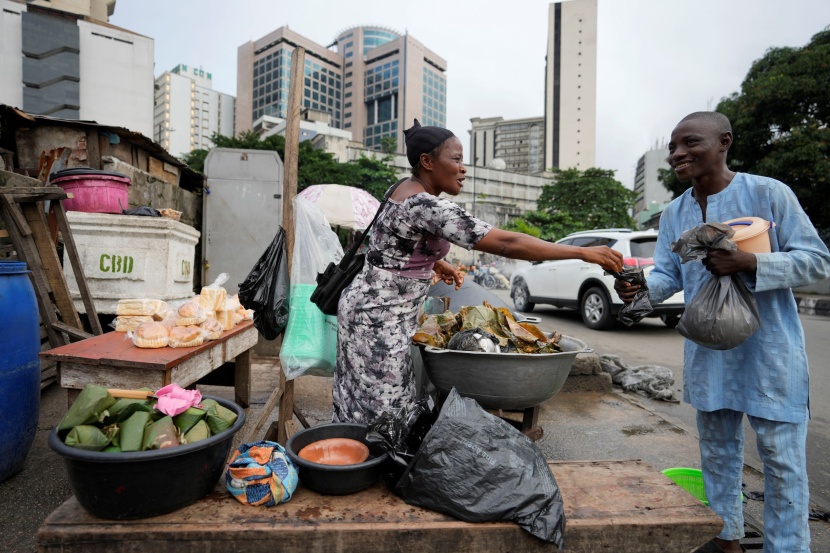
{"points": [[260, 473], [377, 314]]}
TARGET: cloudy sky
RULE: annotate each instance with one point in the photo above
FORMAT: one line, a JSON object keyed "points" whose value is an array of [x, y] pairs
{"points": [[657, 59]]}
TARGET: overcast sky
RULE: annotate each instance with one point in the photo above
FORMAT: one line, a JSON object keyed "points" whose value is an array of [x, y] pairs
{"points": [[658, 60]]}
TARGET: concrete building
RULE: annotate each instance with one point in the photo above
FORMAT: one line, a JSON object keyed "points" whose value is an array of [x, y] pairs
{"points": [[373, 81], [651, 194], [187, 111], [517, 145], [571, 85], [61, 58]]}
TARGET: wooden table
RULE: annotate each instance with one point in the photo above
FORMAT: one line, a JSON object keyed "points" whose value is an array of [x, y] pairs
{"points": [[113, 361], [620, 506]]}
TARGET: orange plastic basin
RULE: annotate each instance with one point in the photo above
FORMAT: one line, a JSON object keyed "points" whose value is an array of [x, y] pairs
{"points": [[335, 451]]}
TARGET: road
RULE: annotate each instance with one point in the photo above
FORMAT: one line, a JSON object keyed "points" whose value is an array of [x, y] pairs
{"points": [[652, 343]]}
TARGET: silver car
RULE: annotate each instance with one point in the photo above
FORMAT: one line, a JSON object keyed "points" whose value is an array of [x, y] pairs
{"points": [[575, 284]]}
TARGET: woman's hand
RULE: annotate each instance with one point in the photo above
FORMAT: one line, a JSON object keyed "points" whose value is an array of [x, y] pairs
{"points": [[446, 272], [605, 257]]}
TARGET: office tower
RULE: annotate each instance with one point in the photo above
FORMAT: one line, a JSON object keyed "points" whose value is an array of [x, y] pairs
{"points": [[373, 81], [518, 143], [571, 85], [187, 111], [61, 58], [650, 191]]}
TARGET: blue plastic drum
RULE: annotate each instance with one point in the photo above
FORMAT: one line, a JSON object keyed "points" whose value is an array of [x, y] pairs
{"points": [[19, 367]]}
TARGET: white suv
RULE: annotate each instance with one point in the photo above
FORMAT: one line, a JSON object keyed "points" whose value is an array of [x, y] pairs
{"points": [[585, 286]]}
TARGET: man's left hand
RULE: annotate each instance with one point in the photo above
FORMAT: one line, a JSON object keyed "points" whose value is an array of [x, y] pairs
{"points": [[722, 262]]}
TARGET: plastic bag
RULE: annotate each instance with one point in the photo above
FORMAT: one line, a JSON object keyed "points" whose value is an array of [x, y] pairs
{"points": [[478, 468], [640, 306], [723, 314], [265, 290], [310, 343]]}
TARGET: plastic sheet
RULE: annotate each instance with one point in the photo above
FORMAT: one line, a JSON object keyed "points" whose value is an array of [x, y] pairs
{"points": [[265, 290]]}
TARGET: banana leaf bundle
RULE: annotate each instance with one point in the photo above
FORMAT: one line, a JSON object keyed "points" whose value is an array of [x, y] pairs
{"points": [[96, 421]]}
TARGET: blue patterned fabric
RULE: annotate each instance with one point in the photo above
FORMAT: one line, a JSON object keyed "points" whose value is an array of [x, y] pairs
{"points": [[261, 473], [767, 375]]}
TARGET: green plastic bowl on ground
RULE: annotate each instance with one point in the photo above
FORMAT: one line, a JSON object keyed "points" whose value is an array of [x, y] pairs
{"points": [[690, 480]]}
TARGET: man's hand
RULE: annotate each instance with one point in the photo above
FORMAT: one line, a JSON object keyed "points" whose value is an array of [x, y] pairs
{"points": [[626, 290], [722, 262]]}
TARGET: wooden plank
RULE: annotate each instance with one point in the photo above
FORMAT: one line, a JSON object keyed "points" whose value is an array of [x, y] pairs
{"points": [[75, 376], [77, 267], [196, 367], [71, 331], [26, 191], [51, 264], [93, 149], [242, 379], [620, 506], [16, 218], [272, 401], [286, 411]]}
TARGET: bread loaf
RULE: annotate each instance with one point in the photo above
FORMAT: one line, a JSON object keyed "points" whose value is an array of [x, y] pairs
{"points": [[185, 337], [225, 318], [125, 323], [145, 307], [151, 335], [214, 297], [190, 313], [212, 329]]}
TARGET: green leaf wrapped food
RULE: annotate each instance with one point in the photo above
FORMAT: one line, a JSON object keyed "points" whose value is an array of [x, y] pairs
{"points": [[218, 418], [88, 408], [161, 434], [87, 437], [132, 431], [187, 420], [200, 431]]}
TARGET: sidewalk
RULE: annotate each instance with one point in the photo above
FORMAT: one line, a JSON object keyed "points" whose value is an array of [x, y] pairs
{"points": [[587, 420]]}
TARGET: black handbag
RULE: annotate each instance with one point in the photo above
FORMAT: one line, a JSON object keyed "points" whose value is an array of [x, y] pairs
{"points": [[332, 281]]}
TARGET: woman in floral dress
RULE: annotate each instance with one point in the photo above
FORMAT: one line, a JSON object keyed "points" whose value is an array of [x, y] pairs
{"points": [[378, 312]]}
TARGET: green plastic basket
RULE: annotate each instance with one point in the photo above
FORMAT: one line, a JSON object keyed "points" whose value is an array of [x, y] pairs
{"points": [[690, 480]]}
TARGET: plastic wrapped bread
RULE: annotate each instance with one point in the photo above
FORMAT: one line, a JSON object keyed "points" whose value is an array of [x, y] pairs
{"points": [[139, 306], [186, 337], [165, 313], [150, 335], [225, 318], [211, 329], [190, 313], [126, 323], [214, 295]]}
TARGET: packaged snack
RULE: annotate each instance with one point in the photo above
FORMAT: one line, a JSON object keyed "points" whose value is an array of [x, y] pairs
{"points": [[212, 329], [190, 313], [186, 337], [214, 295], [150, 335], [124, 323], [139, 306], [225, 318]]}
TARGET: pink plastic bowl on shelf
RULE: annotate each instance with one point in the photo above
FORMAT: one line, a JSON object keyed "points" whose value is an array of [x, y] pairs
{"points": [[94, 191]]}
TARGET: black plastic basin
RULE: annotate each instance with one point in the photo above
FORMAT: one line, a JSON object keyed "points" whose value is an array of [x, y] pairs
{"points": [[336, 479], [143, 484]]}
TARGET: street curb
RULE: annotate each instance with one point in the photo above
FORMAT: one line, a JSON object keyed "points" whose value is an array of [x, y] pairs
{"points": [[813, 305]]}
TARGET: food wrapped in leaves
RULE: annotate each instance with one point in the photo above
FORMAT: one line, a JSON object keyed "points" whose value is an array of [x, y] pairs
{"points": [[200, 431], [90, 406], [187, 420], [90, 438], [218, 418], [435, 329], [131, 437], [161, 434]]}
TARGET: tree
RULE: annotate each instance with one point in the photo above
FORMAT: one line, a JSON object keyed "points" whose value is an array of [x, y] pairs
{"points": [[314, 166], [579, 200], [780, 124]]}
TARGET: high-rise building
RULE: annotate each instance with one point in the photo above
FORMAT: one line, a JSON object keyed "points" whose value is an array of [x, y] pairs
{"points": [[571, 85], [187, 111], [373, 81], [650, 191], [61, 58], [518, 143]]}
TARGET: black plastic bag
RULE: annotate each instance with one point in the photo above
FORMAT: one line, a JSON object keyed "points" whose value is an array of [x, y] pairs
{"points": [[640, 306], [265, 290], [478, 468], [474, 339], [723, 314]]}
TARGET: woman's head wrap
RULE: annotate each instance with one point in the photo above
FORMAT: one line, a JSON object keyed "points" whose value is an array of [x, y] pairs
{"points": [[422, 140]]}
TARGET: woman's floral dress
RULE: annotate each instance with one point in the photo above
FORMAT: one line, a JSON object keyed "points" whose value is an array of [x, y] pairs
{"points": [[377, 314]]}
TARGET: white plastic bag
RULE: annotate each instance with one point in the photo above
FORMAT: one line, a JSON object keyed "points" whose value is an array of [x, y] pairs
{"points": [[309, 346]]}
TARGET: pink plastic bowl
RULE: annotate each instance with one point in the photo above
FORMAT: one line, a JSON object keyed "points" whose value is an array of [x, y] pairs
{"points": [[94, 192]]}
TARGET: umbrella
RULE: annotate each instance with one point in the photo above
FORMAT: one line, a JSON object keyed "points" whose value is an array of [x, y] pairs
{"points": [[344, 206]]}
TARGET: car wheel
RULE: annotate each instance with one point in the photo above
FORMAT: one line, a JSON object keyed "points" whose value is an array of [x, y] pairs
{"points": [[521, 297], [670, 320], [489, 282], [595, 308]]}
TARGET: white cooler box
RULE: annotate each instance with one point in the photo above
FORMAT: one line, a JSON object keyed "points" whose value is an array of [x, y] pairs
{"points": [[128, 256]]}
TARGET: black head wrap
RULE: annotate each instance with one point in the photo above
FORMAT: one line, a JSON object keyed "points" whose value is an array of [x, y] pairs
{"points": [[422, 140]]}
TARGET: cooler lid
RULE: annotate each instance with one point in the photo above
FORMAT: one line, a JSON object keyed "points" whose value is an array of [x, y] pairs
{"points": [[80, 171]]}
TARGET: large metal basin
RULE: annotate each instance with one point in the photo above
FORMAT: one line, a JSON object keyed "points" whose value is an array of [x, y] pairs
{"points": [[512, 381]]}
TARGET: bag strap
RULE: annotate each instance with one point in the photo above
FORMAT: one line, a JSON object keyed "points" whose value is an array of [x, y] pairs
{"points": [[353, 251]]}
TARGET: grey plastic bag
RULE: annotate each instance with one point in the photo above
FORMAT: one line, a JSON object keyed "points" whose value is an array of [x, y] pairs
{"points": [[723, 314], [478, 468]]}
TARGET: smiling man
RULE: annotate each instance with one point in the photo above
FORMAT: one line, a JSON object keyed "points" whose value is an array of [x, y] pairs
{"points": [[766, 377]]}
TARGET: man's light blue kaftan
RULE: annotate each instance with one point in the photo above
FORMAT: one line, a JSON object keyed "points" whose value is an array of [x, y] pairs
{"points": [[765, 377]]}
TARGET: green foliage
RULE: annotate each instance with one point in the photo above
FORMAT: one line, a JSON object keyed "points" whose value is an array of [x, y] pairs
{"points": [[313, 166], [674, 185], [579, 200], [780, 124], [388, 144]]}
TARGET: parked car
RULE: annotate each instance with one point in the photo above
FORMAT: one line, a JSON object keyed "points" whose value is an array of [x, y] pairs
{"points": [[575, 284]]}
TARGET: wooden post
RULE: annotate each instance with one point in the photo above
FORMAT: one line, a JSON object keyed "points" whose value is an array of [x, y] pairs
{"points": [[292, 151]]}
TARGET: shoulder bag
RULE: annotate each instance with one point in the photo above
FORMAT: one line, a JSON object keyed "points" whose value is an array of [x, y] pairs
{"points": [[332, 281]]}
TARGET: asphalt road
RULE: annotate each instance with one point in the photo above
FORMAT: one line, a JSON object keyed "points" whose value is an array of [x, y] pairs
{"points": [[652, 343]]}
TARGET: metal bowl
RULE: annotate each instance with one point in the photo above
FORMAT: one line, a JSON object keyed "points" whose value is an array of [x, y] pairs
{"points": [[336, 479], [512, 381]]}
